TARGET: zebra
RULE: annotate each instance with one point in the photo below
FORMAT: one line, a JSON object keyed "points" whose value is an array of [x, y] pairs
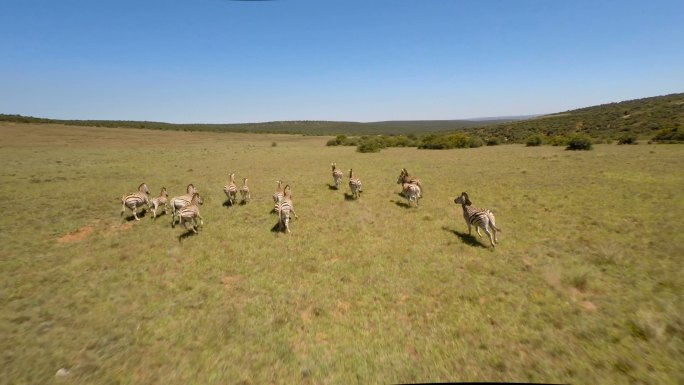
{"points": [[244, 191], [355, 185], [404, 177], [336, 174], [231, 189], [135, 200], [179, 202], [277, 195], [162, 199], [478, 218], [411, 192], [190, 213], [284, 208]]}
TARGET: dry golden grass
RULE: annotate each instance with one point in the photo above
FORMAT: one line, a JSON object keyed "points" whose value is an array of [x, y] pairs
{"points": [[585, 287]]}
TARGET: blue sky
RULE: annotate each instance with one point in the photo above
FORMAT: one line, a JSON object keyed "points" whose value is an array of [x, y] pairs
{"points": [[221, 61]]}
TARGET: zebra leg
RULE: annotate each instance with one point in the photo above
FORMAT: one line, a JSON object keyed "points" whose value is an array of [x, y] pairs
{"points": [[478, 230], [491, 240], [135, 215], [469, 228]]}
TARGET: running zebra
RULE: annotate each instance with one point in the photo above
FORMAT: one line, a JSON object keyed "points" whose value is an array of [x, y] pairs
{"points": [[179, 202], [231, 190], [162, 199], [244, 191], [277, 195], [135, 200], [284, 208], [478, 218], [411, 192], [337, 175], [355, 185], [404, 177], [190, 213]]}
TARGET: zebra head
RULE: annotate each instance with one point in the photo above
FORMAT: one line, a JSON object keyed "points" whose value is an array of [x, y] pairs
{"points": [[287, 191], [163, 192], [143, 188], [190, 189], [463, 199], [196, 199], [232, 177], [333, 165], [351, 173], [402, 176]]}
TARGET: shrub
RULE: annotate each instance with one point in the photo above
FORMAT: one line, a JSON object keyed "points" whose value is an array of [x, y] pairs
{"points": [[274, 144], [627, 139], [534, 140], [493, 141], [558, 140], [672, 135], [371, 144], [579, 142]]}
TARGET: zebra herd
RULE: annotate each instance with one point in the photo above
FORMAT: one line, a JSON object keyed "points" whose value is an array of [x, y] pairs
{"points": [[187, 207]]}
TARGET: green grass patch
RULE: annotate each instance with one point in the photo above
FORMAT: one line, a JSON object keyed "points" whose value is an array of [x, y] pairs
{"points": [[585, 285]]}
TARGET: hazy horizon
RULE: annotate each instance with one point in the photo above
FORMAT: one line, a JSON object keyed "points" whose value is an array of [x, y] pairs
{"points": [[246, 62]]}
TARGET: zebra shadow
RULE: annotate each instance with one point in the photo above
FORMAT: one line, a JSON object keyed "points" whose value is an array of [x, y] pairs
{"points": [[141, 214], [228, 204], [186, 235], [404, 204], [276, 228], [468, 239], [349, 197]]}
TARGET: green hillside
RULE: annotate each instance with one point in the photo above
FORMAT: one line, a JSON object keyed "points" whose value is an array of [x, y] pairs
{"points": [[304, 127], [643, 118]]}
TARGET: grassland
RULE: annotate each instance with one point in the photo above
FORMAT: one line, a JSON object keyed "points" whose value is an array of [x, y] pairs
{"points": [[586, 285]]}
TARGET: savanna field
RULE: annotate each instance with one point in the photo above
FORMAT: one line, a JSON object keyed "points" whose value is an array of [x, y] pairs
{"points": [[585, 287]]}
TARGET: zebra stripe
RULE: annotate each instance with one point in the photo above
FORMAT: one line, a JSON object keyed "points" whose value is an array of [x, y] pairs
{"points": [[337, 175], [179, 202], [480, 218], [284, 207], [244, 191], [162, 199], [411, 192], [278, 195], [354, 185], [190, 213], [404, 177], [135, 200], [231, 190]]}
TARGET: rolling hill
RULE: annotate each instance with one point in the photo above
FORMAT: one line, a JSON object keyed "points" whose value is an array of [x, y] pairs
{"points": [[642, 118]]}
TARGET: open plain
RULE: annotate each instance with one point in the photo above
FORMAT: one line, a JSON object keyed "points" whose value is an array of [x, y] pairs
{"points": [[586, 285]]}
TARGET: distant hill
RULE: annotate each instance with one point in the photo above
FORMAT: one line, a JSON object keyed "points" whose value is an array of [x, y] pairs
{"points": [[640, 117], [304, 127]]}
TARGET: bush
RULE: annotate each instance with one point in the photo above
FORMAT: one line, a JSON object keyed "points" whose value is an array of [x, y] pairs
{"points": [[534, 140], [579, 142], [558, 140], [672, 135], [627, 139], [493, 141], [371, 144]]}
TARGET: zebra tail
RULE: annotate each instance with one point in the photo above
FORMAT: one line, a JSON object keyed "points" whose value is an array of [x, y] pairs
{"points": [[490, 215]]}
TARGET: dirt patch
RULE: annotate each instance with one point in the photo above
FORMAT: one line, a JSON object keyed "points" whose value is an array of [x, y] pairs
{"points": [[588, 306], [78, 235], [97, 227], [343, 307], [229, 281]]}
